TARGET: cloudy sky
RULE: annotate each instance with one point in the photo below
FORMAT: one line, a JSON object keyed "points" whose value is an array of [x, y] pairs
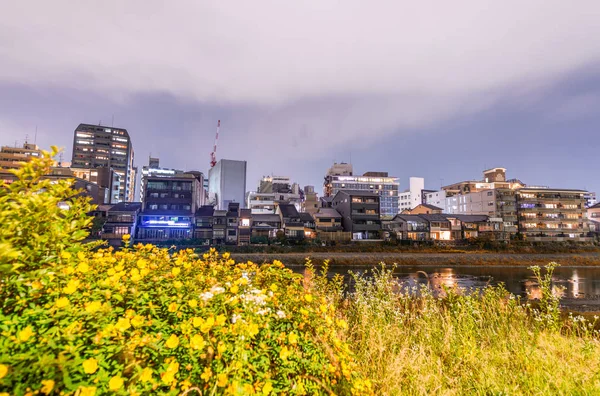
{"points": [[434, 89]]}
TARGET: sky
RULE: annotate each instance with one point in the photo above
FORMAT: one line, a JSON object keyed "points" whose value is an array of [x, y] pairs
{"points": [[440, 90]]}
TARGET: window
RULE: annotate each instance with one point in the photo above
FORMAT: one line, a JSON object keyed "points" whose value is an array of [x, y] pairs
{"points": [[490, 193], [231, 233]]}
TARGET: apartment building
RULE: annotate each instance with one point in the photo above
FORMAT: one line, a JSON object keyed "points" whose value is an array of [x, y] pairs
{"points": [[311, 203], [552, 214], [274, 190], [360, 211], [380, 183], [593, 214], [121, 219], [96, 146]]}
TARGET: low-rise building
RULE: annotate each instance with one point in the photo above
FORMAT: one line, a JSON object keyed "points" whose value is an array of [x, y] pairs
{"points": [[219, 227], [291, 221], [265, 225], [423, 209], [411, 227], [245, 227], [360, 213], [440, 227], [121, 219], [233, 220], [204, 224]]}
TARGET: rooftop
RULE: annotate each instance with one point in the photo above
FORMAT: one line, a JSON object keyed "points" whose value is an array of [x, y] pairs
{"points": [[328, 213]]}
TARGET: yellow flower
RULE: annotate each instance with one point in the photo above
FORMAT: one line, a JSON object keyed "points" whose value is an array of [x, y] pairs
{"points": [[177, 284], [36, 285], [267, 388], [47, 386], [221, 348], [137, 321], [115, 383], [197, 322], [26, 334], [243, 281], [93, 306], [248, 389], [175, 271], [206, 374], [87, 391], [3, 370], [207, 325], [197, 342], [141, 263], [173, 341], [123, 324], [308, 297], [253, 329], [226, 255], [221, 320], [135, 275], [234, 289], [146, 375], [83, 267], [284, 353], [303, 311], [342, 324], [173, 307], [221, 380], [193, 303], [65, 255], [273, 289], [292, 338], [90, 366], [126, 237], [71, 286]]}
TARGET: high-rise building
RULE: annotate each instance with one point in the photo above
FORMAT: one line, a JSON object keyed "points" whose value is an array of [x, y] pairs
{"points": [[340, 178], [227, 183], [96, 146]]}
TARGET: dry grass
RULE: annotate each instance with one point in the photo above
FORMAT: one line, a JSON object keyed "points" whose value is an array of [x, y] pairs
{"points": [[489, 343]]}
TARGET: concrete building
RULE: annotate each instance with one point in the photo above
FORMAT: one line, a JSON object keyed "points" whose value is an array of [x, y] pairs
{"points": [[494, 196], [340, 178], [271, 191], [13, 157], [96, 146], [204, 224], [435, 198], [412, 196], [593, 214], [227, 183], [107, 180], [552, 214], [590, 199], [169, 205], [311, 202], [360, 211]]}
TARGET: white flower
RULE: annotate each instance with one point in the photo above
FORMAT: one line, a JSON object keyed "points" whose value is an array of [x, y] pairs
{"points": [[235, 318], [206, 296], [280, 314], [217, 290]]}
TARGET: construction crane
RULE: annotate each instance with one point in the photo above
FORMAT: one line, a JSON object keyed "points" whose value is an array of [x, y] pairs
{"points": [[213, 155]]}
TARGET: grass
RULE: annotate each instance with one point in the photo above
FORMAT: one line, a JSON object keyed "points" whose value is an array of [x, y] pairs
{"points": [[411, 342]]}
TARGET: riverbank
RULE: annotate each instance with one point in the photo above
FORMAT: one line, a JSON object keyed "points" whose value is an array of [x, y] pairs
{"points": [[426, 259]]}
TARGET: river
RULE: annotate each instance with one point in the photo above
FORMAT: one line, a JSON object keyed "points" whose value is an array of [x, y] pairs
{"points": [[579, 287]]}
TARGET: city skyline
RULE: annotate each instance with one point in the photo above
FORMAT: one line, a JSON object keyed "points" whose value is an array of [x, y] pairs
{"points": [[426, 98]]}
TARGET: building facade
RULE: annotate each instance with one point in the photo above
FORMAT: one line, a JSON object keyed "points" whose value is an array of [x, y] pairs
{"points": [[413, 196], [360, 211], [96, 146], [380, 183], [551, 214], [227, 183]]}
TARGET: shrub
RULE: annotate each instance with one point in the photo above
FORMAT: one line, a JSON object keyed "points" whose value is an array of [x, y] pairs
{"points": [[142, 320]]}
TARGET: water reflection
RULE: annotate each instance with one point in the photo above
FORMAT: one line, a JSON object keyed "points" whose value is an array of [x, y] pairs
{"points": [[570, 283]]}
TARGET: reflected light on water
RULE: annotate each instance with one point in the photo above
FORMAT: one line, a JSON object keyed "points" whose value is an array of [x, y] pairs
{"points": [[575, 281]]}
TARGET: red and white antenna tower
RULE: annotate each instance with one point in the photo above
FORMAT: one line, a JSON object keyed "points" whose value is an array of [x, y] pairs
{"points": [[213, 155]]}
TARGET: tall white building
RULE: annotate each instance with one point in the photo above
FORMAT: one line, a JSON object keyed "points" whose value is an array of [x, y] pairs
{"points": [[227, 183], [436, 198], [413, 196]]}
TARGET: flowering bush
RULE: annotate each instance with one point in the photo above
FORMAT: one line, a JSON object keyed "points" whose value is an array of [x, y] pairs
{"points": [[144, 320]]}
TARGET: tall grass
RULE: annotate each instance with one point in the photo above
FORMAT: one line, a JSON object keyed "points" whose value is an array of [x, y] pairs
{"points": [[489, 342]]}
